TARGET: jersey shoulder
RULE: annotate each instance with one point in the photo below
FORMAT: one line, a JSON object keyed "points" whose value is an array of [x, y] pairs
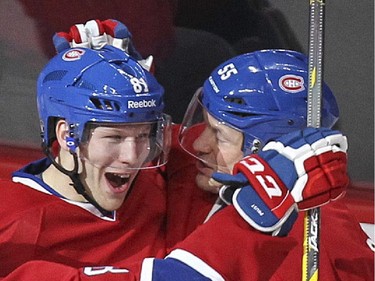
{"points": [[18, 197]]}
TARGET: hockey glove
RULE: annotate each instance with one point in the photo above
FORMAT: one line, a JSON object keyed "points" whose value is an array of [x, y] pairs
{"points": [[95, 34], [299, 171]]}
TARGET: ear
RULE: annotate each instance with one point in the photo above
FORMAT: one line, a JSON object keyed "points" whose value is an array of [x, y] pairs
{"points": [[62, 133]]}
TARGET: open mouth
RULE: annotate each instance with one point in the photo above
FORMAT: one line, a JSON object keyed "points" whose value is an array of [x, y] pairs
{"points": [[117, 180]]}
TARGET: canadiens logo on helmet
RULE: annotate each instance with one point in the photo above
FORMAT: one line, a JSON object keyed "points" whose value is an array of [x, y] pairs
{"points": [[291, 83], [73, 54]]}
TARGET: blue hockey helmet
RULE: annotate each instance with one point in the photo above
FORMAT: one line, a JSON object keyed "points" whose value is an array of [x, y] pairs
{"points": [[106, 86], [262, 94]]}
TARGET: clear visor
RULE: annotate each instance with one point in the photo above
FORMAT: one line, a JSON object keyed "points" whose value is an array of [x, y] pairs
{"points": [[209, 140], [127, 146]]}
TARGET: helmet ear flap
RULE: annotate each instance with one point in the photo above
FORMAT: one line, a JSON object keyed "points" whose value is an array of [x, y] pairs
{"points": [[48, 131], [64, 136]]}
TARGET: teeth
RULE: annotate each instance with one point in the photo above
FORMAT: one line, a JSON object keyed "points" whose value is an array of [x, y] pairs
{"points": [[122, 176], [117, 180]]}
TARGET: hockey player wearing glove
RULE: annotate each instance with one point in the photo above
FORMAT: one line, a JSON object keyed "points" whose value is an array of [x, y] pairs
{"points": [[247, 129], [96, 207]]}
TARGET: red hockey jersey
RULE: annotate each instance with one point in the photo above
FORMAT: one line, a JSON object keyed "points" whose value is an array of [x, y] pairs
{"points": [[240, 253], [44, 236], [37, 224]]}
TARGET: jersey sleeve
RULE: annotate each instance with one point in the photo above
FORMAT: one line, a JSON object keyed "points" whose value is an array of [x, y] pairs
{"points": [[228, 246], [149, 269], [45, 270]]}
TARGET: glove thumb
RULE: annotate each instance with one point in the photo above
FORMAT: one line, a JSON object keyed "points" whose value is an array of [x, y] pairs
{"points": [[230, 184], [238, 180]]}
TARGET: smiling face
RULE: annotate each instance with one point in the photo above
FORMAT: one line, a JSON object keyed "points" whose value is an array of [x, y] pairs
{"points": [[218, 147], [111, 159]]}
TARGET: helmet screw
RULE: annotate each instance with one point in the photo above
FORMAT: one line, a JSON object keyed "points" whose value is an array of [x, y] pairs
{"points": [[256, 146]]}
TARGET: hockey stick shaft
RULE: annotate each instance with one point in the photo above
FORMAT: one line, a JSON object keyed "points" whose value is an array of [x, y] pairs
{"points": [[310, 261]]}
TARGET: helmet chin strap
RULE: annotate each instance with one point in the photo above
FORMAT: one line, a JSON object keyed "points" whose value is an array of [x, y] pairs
{"points": [[74, 176]]}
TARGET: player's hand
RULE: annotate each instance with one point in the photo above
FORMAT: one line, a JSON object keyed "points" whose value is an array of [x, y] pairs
{"points": [[96, 34], [299, 171]]}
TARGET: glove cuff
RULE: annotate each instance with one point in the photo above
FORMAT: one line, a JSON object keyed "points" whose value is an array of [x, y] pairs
{"points": [[256, 213]]}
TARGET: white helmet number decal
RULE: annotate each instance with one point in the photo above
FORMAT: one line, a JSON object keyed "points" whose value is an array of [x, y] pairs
{"points": [[227, 71], [139, 85]]}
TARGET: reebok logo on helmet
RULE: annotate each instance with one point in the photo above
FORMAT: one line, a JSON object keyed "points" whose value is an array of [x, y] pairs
{"points": [[213, 84], [142, 103]]}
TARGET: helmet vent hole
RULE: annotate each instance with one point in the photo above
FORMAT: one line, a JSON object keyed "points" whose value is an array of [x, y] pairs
{"points": [[96, 103], [106, 105], [235, 100], [116, 106], [55, 75], [242, 114]]}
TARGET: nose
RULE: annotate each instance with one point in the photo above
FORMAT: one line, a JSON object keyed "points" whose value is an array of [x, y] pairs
{"points": [[128, 152], [205, 142]]}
